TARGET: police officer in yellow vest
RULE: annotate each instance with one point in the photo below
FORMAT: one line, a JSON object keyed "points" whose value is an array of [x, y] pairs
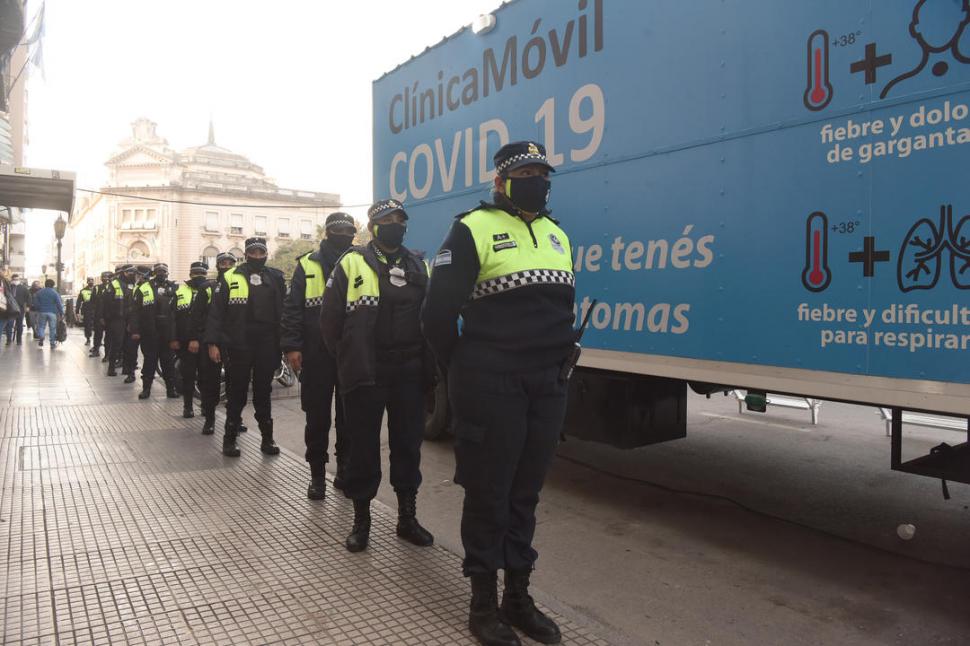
{"points": [[195, 367], [117, 302], [244, 322], [151, 327], [97, 313], [370, 323], [84, 306], [506, 269], [304, 350]]}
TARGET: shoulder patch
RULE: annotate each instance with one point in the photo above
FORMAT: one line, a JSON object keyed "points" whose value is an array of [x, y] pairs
{"points": [[443, 258]]}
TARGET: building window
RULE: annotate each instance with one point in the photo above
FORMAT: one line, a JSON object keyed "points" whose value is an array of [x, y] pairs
{"points": [[139, 222], [236, 223], [283, 227], [306, 230], [211, 220], [126, 218], [237, 253], [261, 225], [209, 256], [150, 222]]}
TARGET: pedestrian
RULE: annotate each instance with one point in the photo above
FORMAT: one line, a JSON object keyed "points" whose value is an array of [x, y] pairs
{"points": [[152, 324], [15, 324], [97, 313], [244, 323], [115, 305], [191, 304], [304, 350], [505, 269], [84, 309], [49, 308], [31, 316], [8, 304], [370, 322]]}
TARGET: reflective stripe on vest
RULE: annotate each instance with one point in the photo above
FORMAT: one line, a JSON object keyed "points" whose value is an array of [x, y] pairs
{"points": [[119, 291], [315, 284], [508, 258], [238, 287], [183, 297], [147, 293], [85, 294]]}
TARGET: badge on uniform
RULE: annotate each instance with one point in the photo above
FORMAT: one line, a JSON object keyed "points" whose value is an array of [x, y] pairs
{"points": [[255, 279], [556, 244], [443, 258], [398, 278]]}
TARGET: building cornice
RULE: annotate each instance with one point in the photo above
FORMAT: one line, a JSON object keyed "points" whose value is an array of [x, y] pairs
{"points": [[276, 196]]}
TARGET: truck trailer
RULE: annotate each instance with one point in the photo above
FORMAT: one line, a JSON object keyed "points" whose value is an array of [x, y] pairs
{"points": [[761, 196]]}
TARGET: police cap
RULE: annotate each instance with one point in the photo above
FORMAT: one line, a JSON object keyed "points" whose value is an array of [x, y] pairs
{"points": [[385, 207], [518, 154], [256, 243], [198, 268], [340, 219]]}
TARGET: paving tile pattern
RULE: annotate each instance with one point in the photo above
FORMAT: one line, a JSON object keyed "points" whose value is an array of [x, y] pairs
{"points": [[120, 523]]}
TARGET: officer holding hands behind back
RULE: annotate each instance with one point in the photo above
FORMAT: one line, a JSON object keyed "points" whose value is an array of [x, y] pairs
{"points": [[506, 269]]}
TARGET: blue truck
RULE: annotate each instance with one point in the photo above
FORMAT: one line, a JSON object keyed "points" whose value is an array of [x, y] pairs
{"points": [[765, 195]]}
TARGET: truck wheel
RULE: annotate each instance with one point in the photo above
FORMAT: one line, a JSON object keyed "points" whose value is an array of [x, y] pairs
{"points": [[436, 412]]}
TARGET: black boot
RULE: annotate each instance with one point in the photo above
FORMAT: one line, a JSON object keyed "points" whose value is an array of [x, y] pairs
{"points": [[111, 371], [520, 610], [484, 620], [209, 427], [94, 352], [187, 410], [267, 445], [171, 393], [130, 378], [360, 533], [408, 527], [318, 482], [243, 428], [229, 448], [146, 388]]}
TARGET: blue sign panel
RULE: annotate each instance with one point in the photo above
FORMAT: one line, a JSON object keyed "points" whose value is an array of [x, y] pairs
{"points": [[759, 182]]}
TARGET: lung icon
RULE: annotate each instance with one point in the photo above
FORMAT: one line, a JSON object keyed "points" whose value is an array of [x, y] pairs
{"points": [[959, 250], [920, 256]]}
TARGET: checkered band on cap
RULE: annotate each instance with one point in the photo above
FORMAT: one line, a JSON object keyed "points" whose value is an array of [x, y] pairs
{"points": [[256, 243], [238, 301], [383, 207], [340, 218], [522, 279], [225, 255], [363, 301], [515, 159], [316, 301]]}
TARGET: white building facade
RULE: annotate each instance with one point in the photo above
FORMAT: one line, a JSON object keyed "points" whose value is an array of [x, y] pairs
{"points": [[161, 205]]}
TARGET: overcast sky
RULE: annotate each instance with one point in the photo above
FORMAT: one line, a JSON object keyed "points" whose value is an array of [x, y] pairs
{"points": [[287, 82]]}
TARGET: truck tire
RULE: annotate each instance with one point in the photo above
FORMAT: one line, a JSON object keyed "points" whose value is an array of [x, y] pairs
{"points": [[437, 415]]}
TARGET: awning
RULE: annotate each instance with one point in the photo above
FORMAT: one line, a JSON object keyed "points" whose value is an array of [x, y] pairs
{"points": [[36, 188]]}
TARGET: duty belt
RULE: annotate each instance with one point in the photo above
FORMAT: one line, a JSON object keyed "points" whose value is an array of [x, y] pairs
{"points": [[399, 356]]}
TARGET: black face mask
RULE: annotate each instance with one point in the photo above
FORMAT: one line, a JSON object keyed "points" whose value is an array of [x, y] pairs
{"points": [[340, 242], [222, 270], [197, 281], [528, 193], [161, 278], [256, 264], [390, 235]]}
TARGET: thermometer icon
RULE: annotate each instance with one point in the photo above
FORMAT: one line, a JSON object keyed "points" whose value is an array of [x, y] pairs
{"points": [[816, 276], [818, 92]]}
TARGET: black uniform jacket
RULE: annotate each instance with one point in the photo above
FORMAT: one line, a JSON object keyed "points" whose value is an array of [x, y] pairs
{"points": [[519, 329], [301, 324], [154, 319], [351, 336], [226, 324]]}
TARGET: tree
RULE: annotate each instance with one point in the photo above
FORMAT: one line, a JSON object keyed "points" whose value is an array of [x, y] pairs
{"points": [[286, 254]]}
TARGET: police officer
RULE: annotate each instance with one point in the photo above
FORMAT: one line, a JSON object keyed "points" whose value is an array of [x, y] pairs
{"points": [[97, 313], [151, 327], [224, 262], [84, 307], [244, 321], [310, 360], [191, 304], [116, 306], [370, 323], [506, 269], [129, 361]]}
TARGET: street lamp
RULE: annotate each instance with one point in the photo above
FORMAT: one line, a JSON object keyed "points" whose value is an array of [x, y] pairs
{"points": [[60, 226]]}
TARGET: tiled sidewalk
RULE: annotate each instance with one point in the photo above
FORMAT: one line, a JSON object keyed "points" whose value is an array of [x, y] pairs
{"points": [[120, 523]]}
